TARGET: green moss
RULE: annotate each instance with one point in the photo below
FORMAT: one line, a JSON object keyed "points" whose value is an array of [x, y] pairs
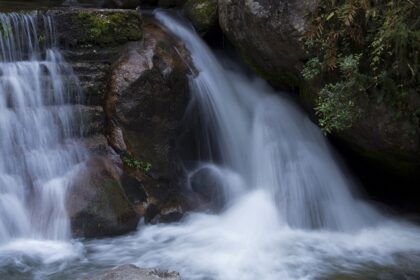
{"points": [[110, 28], [202, 13]]}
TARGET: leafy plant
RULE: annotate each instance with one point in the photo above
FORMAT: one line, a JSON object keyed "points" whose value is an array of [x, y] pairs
{"points": [[363, 47], [137, 164]]}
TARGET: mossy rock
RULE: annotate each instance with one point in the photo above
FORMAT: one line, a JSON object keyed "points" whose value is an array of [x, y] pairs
{"points": [[202, 13], [109, 29], [97, 27]]}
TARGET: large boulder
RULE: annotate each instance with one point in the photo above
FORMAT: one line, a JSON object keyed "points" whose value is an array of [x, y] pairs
{"points": [[388, 142], [132, 272], [268, 34], [146, 98], [202, 13], [96, 201]]}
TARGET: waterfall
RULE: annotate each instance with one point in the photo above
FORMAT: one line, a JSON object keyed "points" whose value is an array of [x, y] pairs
{"points": [[271, 145], [289, 211], [37, 151]]}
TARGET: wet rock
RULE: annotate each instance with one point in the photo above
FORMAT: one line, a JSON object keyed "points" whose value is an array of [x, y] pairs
{"points": [[96, 202], [132, 272], [91, 41], [202, 13], [208, 185], [146, 97], [91, 120]]}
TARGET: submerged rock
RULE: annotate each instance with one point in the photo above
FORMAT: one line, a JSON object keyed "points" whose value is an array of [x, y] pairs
{"points": [[132, 272], [208, 185], [202, 13]]}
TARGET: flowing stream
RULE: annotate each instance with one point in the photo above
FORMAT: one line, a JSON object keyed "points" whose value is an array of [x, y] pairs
{"points": [[289, 210]]}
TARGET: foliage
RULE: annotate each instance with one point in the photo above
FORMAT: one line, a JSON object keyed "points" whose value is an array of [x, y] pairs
{"points": [[363, 47], [137, 164]]}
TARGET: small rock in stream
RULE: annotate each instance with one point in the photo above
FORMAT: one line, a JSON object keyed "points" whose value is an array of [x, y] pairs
{"points": [[132, 272]]}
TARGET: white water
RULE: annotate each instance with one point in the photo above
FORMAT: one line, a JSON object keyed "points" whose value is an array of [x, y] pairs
{"points": [[290, 211], [37, 154]]}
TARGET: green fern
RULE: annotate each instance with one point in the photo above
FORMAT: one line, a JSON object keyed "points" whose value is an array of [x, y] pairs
{"points": [[359, 47]]}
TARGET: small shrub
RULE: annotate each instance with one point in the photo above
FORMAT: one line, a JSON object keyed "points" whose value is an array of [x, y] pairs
{"points": [[366, 47], [137, 164]]}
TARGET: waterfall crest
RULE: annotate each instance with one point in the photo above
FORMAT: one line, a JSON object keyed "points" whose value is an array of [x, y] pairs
{"points": [[38, 155]]}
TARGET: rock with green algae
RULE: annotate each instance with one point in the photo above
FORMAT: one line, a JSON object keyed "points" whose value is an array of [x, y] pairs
{"points": [[202, 13], [91, 40], [96, 27]]}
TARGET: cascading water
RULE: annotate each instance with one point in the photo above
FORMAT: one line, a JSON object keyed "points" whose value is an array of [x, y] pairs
{"points": [[272, 146], [289, 210], [38, 156]]}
